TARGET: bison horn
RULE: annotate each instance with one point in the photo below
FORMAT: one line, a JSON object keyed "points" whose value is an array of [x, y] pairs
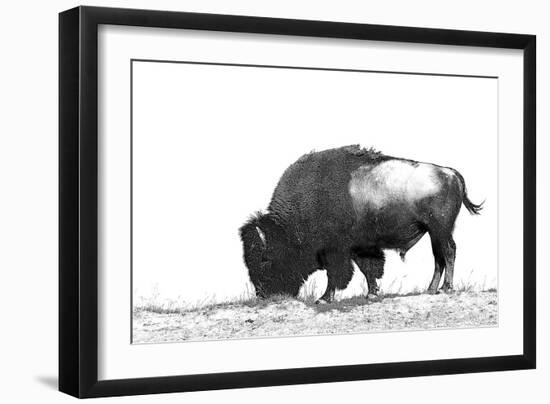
{"points": [[261, 234]]}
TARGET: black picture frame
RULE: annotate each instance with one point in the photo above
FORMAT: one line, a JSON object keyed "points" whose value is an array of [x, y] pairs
{"points": [[78, 201]]}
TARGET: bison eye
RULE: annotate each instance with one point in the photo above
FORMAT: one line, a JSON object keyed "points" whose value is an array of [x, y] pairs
{"points": [[266, 257], [265, 265]]}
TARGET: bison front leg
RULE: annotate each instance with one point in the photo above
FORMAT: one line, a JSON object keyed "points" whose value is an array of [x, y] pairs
{"points": [[339, 273], [328, 296], [372, 266]]}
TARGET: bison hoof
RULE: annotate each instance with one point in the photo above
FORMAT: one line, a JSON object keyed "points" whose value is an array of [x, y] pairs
{"points": [[446, 290], [372, 296], [433, 291], [322, 301]]}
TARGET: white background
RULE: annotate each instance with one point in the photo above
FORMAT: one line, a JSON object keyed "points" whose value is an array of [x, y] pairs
{"points": [[28, 252], [198, 176]]}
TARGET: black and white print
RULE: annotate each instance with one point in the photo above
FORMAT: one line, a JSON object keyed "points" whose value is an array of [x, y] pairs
{"points": [[289, 201]]}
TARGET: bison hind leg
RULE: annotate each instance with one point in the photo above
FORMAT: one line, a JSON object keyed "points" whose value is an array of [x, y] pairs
{"points": [[450, 254], [444, 250]]}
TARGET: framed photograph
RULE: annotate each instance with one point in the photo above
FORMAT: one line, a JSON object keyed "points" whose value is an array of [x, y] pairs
{"points": [[250, 201]]}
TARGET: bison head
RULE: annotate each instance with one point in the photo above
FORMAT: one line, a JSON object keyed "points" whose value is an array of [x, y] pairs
{"points": [[271, 260]]}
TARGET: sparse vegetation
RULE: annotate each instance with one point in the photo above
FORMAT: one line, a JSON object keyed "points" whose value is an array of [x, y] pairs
{"points": [[286, 316]]}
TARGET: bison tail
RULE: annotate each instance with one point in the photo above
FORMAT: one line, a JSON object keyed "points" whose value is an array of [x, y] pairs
{"points": [[473, 208]]}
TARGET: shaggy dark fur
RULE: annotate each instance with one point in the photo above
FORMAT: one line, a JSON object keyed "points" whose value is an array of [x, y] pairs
{"points": [[311, 224]]}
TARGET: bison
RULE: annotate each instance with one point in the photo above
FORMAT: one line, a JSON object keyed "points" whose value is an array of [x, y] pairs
{"points": [[350, 204]]}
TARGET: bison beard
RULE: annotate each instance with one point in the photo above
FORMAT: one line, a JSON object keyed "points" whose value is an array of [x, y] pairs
{"points": [[345, 205]]}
